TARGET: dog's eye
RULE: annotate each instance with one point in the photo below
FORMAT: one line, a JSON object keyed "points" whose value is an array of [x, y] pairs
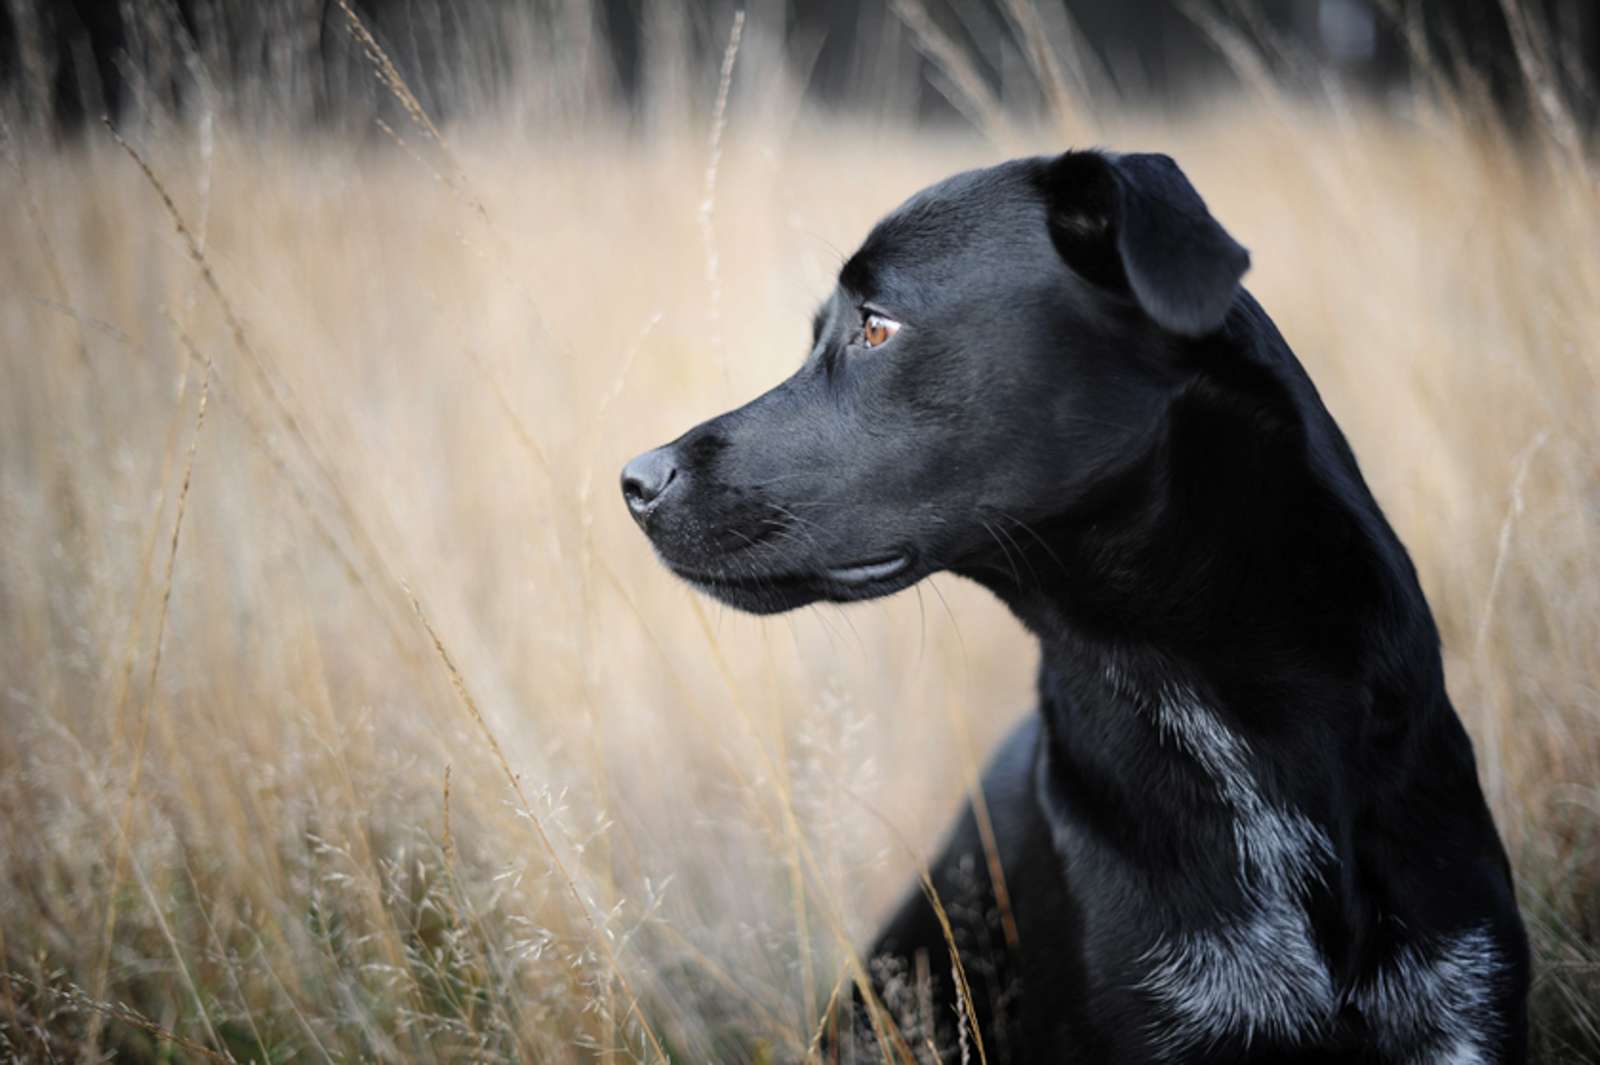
{"points": [[878, 329]]}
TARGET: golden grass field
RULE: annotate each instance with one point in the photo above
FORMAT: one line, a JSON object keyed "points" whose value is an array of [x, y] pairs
{"points": [[354, 721]]}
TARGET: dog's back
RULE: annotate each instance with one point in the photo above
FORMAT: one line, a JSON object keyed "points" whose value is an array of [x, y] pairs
{"points": [[1246, 823]]}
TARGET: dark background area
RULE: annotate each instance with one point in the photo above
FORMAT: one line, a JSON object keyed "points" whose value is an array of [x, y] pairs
{"points": [[65, 62]]}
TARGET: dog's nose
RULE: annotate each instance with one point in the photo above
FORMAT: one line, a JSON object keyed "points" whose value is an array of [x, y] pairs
{"points": [[645, 479]]}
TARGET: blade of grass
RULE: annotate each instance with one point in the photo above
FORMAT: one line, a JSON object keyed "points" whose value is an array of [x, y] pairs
{"points": [[972, 95], [136, 765], [706, 213]]}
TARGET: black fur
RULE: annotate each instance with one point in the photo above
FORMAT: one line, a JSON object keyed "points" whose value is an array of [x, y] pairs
{"points": [[1083, 412]]}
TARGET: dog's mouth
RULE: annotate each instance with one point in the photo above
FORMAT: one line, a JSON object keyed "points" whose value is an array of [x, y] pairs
{"points": [[877, 569], [766, 593]]}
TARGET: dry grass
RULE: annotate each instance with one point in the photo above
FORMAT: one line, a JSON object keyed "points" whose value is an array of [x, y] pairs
{"points": [[293, 837]]}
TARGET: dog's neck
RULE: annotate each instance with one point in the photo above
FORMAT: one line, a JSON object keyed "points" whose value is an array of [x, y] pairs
{"points": [[1238, 555]]}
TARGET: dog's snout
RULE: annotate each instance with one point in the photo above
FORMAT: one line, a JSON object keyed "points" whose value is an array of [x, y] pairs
{"points": [[645, 479]]}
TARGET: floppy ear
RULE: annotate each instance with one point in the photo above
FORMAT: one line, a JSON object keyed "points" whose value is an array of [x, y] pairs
{"points": [[1134, 223]]}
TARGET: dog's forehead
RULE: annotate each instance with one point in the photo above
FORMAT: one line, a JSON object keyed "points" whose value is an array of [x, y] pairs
{"points": [[993, 206], [989, 187]]}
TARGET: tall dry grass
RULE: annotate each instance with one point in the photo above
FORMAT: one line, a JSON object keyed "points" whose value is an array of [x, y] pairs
{"points": [[400, 746]]}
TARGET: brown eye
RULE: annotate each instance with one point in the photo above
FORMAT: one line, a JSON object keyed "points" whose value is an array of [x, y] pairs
{"points": [[879, 329]]}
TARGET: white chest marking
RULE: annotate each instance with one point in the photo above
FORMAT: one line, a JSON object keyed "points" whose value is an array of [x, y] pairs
{"points": [[1264, 974], [1436, 1007]]}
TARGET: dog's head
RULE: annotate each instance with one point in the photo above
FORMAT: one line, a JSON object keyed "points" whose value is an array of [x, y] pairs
{"points": [[999, 344]]}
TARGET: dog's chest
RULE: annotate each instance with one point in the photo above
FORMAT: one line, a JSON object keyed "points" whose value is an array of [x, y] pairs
{"points": [[1258, 972], [1255, 976]]}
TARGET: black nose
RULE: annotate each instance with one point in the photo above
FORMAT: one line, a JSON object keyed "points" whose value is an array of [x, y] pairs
{"points": [[645, 479]]}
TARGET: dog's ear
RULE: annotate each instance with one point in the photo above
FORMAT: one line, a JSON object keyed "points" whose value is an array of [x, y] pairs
{"points": [[1133, 223]]}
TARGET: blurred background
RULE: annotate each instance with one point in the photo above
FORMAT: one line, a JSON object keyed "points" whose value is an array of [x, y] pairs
{"points": [[344, 714], [70, 62]]}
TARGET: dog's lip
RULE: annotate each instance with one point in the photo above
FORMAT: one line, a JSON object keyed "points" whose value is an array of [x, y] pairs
{"points": [[869, 570]]}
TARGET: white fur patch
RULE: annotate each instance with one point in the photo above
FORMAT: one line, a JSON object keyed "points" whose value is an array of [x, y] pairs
{"points": [[1278, 850], [1264, 975], [1436, 1007]]}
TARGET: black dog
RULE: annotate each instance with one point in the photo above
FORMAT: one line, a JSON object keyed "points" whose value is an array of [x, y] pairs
{"points": [[1245, 824]]}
